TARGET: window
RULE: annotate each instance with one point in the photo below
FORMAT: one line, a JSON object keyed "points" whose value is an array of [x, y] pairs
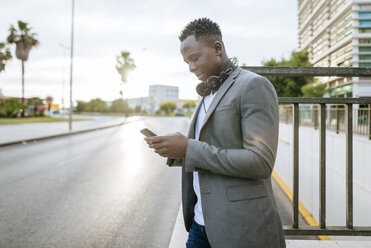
{"points": [[364, 41], [364, 30], [364, 23], [365, 7], [364, 15], [365, 57], [364, 49], [365, 65]]}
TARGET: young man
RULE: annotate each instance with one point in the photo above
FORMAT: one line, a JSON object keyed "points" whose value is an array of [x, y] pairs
{"points": [[229, 152]]}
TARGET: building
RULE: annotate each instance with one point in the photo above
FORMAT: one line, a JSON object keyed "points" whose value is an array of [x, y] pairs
{"points": [[337, 33], [161, 93], [157, 95], [145, 103]]}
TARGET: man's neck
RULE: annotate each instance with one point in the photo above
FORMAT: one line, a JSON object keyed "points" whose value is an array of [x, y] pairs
{"points": [[224, 64]]}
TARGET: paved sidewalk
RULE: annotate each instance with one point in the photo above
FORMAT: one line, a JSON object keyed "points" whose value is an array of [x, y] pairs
{"points": [[180, 235], [28, 131], [179, 238]]}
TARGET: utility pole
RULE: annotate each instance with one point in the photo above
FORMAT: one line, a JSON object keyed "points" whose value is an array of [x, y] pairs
{"points": [[63, 76], [71, 104]]}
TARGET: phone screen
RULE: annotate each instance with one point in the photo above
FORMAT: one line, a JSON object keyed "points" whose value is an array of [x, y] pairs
{"points": [[147, 132]]}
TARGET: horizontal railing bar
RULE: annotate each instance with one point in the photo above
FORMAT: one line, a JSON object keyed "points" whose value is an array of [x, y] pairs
{"points": [[330, 230], [294, 71], [319, 100]]}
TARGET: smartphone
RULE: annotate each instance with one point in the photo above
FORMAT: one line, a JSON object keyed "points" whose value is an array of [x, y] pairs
{"points": [[147, 132]]}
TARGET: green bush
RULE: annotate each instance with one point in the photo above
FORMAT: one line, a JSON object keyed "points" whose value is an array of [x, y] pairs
{"points": [[119, 106], [11, 107], [313, 90], [168, 107]]}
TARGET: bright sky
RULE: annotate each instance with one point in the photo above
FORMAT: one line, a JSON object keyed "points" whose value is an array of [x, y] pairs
{"points": [[252, 30]]}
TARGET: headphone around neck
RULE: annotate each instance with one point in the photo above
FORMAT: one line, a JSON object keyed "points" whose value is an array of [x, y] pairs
{"points": [[213, 83]]}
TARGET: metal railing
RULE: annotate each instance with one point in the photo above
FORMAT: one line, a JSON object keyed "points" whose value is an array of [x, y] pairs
{"points": [[349, 229], [335, 117]]}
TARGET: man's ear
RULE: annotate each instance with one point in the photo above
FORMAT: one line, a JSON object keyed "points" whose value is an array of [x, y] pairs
{"points": [[218, 48]]}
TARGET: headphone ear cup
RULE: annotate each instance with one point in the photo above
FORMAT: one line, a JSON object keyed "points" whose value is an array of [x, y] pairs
{"points": [[213, 82], [200, 88]]}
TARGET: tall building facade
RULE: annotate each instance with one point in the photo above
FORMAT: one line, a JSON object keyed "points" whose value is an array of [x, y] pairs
{"points": [[159, 93], [337, 33]]}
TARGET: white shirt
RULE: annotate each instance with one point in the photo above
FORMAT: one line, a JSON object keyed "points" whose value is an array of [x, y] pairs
{"points": [[199, 218]]}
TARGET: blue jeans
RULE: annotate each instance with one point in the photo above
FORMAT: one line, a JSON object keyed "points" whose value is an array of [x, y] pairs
{"points": [[197, 237]]}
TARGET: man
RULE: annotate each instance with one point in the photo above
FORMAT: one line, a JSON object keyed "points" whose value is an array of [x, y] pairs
{"points": [[229, 152]]}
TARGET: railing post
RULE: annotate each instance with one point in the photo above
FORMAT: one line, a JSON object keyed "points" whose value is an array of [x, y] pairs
{"points": [[349, 164], [286, 114], [322, 168], [337, 119], [295, 199], [369, 121], [315, 113]]}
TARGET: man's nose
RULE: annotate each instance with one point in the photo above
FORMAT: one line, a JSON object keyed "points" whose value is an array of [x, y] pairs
{"points": [[192, 67]]}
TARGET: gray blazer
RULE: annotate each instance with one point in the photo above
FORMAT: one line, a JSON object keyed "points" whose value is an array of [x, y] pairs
{"points": [[235, 156]]}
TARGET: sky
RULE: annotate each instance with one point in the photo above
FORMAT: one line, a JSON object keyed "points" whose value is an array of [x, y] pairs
{"points": [[253, 31]]}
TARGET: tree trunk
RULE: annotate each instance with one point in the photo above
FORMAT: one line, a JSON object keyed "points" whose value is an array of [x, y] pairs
{"points": [[23, 87]]}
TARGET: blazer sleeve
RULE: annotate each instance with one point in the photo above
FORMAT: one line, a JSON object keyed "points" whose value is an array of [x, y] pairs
{"points": [[259, 126], [172, 162]]}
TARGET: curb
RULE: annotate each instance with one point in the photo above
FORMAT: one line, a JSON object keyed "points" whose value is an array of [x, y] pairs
{"points": [[302, 209], [179, 235], [23, 141]]}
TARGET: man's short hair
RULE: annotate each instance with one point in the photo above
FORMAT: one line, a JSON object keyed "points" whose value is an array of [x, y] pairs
{"points": [[202, 28]]}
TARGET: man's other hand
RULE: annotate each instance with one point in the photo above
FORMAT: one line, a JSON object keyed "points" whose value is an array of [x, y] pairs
{"points": [[169, 146]]}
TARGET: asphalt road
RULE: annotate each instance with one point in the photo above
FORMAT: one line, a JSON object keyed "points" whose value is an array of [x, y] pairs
{"points": [[98, 189]]}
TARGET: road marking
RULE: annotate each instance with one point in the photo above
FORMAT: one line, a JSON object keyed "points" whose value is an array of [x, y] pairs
{"points": [[302, 209], [285, 141], [72, 159]]}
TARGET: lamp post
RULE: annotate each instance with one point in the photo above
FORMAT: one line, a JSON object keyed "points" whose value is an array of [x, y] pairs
{"points": [[71, 104], [65, 48]]}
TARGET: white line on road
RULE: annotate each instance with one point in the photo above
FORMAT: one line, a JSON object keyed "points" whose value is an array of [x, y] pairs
{"points": [[72, 159]]}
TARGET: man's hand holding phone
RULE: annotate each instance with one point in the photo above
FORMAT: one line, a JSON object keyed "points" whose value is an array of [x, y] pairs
{"points": [[169, 146]]}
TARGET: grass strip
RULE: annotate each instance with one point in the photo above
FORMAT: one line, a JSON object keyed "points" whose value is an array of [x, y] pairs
{"points": [[20, 120]]}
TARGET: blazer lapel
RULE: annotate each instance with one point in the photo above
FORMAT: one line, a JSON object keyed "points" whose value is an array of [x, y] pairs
{"points": [[191, 129], [222, 90]]}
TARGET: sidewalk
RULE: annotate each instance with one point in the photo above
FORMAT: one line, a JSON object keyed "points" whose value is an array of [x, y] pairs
{"points": [[179, 238], [20, 133]]}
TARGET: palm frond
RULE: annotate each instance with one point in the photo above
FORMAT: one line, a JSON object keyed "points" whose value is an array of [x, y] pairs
{"points": [[23, 26]]}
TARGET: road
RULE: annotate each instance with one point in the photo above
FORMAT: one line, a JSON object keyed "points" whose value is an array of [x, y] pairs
{"points": [[99, 189], [17, 132]]}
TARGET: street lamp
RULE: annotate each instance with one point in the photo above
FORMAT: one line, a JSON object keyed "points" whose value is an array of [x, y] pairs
{"points": [[65, 48], [71, 105]]}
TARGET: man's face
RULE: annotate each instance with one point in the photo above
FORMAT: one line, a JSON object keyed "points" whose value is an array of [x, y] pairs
{"points": [[203, 59]]}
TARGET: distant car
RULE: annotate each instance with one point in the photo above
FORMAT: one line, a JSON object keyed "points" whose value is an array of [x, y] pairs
{"points": [[179, 114]]}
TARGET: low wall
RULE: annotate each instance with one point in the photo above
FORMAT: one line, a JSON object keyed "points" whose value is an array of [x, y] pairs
{"points": [[335, 173]]}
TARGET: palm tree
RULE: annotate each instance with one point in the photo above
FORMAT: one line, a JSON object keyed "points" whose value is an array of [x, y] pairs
{"points": [[124, 65], [24, 41], [4, 56]]}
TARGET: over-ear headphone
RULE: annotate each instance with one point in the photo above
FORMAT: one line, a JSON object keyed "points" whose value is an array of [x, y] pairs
{"points": [[213, 83]]}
